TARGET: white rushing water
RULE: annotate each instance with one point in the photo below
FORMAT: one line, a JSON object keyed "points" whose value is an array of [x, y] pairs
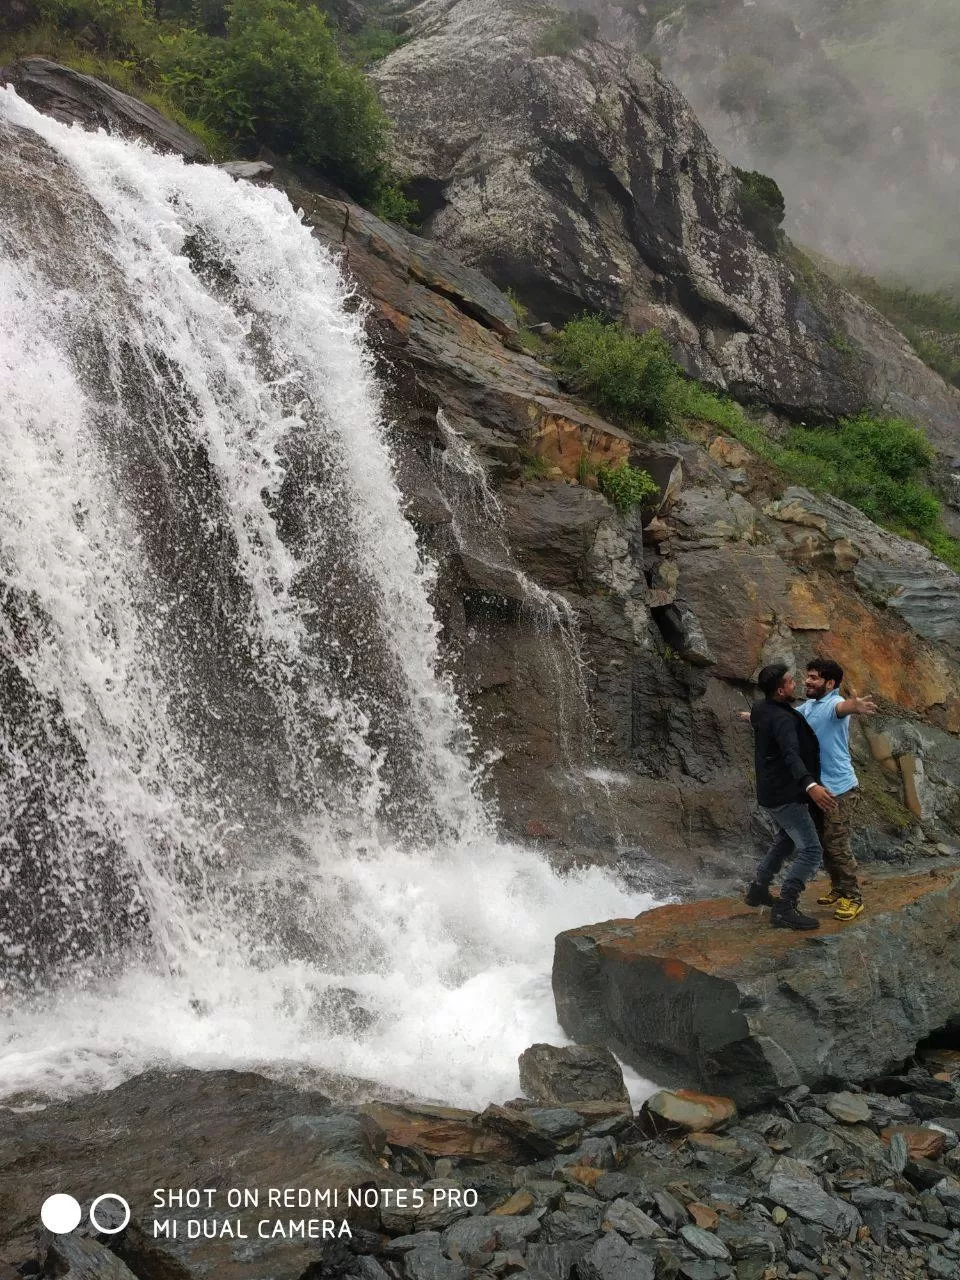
{"points": [[239, 824]]}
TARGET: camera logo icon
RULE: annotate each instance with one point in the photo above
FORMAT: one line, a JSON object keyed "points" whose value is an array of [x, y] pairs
{"points": [[61, 1213]]}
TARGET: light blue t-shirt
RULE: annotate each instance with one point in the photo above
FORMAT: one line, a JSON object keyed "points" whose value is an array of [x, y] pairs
{"points": [[833, 734]]}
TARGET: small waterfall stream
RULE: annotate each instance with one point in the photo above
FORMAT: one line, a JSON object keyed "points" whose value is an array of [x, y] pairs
{"points": [[239, 822]]}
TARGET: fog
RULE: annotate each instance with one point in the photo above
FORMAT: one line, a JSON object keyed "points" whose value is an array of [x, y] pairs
{"points": [[850, 104]]}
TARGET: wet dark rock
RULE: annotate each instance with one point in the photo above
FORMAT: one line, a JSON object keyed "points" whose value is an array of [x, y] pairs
{"points": [[554, 1075]]}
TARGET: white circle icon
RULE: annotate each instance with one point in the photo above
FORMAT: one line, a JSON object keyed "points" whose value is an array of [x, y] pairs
{"points": [[110, 1228], [60, 1214]]}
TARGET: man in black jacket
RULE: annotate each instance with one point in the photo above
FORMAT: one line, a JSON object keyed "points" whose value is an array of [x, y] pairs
{"points": [[787, 756]]}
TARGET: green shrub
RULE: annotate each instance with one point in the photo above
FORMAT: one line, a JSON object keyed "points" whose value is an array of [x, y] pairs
{"points": [[632, 378], [567, 33], [371, 43], [279, 78], [393, 205], [873, 463], [625, 486]]}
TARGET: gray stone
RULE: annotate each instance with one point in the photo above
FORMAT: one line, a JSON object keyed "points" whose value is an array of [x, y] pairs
{"points": [[424, 1240], [612, 1258], [793, 1187], [555, 1122], [850, 1108], [488, 1233], [631, 1221], [705, 1244], [670, 1208], [554, 1261], [616, 1186], [79, 1258], [423, 1264]]}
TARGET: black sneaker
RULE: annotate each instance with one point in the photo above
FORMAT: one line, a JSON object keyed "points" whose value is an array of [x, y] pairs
{"points": [[785, 915], [759, 895]]}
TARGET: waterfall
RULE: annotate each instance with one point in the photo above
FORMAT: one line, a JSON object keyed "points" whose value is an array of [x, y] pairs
{"points": [[240, 823]]}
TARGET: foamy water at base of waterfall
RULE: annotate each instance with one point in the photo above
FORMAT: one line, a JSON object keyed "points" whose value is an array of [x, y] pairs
{"points": [[240, 824]]}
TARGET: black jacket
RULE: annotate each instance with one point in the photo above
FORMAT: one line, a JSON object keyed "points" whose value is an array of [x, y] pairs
{"points": [[787, 753]]}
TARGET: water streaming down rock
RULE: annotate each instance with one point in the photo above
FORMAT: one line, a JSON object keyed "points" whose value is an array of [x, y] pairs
{"points": [[234, 781], [478, 528]]}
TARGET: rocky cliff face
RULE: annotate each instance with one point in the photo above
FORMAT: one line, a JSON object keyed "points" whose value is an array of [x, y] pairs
{"points": [[583, 180], [671, 613]]}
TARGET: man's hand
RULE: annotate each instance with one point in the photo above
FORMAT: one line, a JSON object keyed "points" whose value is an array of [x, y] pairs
{"points": [[822, 798], [857, 706], [743, 715]]}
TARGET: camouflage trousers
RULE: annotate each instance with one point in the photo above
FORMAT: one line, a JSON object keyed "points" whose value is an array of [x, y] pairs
{"points": [[834, 828]]}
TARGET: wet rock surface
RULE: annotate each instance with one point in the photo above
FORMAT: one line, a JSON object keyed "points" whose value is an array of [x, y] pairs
{"points": [[73, 97], [708, 992], [784, 1192]]}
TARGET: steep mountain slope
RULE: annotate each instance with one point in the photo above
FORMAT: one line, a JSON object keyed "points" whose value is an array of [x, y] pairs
{"points": [[584, 180], [850, 104]]}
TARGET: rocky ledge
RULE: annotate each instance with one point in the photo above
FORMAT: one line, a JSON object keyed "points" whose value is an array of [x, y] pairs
{"points": [[564, 1184], [707, 993]]}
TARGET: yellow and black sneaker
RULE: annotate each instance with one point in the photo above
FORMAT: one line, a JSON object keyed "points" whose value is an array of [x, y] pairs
{"points": [[848, 908], [831, 897]]}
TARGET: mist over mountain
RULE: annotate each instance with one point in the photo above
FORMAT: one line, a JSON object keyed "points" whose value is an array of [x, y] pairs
{"points": [[850, 104]]}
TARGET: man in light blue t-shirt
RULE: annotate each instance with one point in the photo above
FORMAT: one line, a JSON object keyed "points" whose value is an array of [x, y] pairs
{"points": [[828, 714]]}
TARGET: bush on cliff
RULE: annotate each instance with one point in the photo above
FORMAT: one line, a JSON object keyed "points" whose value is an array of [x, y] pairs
{"points": [[631, 377], [873, 462], [278, 78], [245, 72]]}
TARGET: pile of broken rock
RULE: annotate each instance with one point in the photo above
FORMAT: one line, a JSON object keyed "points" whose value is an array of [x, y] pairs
{"points": [[860, 1182]]}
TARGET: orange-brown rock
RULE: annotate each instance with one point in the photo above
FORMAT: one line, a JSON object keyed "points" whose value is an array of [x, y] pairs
{"points": [[703, 1215], [441, 1131], [706, 994], [686, 1109], [922, 1144], [519, 1202]]}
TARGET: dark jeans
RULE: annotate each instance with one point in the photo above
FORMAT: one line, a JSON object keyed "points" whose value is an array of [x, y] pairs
{"points": [[796, 839]]}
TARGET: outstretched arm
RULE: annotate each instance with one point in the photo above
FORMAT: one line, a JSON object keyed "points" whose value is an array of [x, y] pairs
{"points": [[856, 706]]}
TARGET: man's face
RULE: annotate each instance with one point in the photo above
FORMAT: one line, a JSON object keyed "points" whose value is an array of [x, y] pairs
{"points": [[788, 686], [815, 686]]}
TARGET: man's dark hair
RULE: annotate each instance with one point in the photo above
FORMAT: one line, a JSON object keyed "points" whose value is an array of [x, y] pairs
{"points": [[827, 670], [771, 678]]}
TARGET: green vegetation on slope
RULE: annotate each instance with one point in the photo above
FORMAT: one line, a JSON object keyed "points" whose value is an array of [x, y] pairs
{"points": [[875, 463], [929, 321], [240, 73]]}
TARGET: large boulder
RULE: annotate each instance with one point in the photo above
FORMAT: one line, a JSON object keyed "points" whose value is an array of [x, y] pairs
{"points": [[707, 994], [573, 171]]}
